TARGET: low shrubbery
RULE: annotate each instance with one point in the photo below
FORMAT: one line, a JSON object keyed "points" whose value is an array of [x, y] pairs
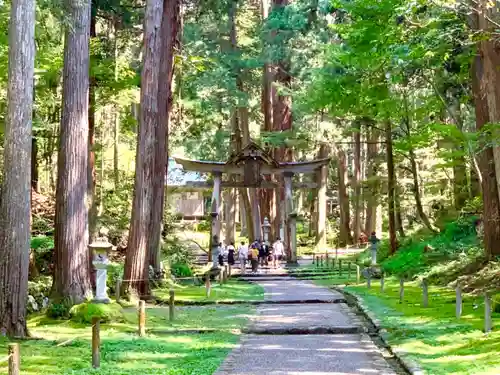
{"points": [[427, 253]]}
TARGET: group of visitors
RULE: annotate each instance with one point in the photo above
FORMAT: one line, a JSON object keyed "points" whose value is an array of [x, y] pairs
{"points": [[258, 253]]}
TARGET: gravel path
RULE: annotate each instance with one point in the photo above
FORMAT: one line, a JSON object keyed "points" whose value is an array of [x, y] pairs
{"points": [[304, 316], [305, 355], [341, 353], [293, 290]]}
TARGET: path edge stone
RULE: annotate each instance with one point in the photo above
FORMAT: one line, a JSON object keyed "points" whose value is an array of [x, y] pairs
{"points": [[407, 363]]}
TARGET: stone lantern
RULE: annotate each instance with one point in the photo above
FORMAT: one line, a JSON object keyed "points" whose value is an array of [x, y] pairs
{"points": [[100, 250], [266, 229]]}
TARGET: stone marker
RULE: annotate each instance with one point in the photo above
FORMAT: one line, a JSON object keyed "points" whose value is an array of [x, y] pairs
{"points": [[458, 301], [96, 342], [171, 306], [488, 324], [401, 290]]}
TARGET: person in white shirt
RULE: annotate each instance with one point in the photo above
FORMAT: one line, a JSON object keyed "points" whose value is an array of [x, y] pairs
{"points": [[278, 252], [243, 256]]}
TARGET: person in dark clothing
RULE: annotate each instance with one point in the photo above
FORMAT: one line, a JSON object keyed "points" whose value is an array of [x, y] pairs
{"points": [[230, 254], [262, 253]]}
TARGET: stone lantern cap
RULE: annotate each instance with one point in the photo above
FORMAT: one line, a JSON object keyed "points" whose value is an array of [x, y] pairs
{"points": [[101, 246], [266, 223]]}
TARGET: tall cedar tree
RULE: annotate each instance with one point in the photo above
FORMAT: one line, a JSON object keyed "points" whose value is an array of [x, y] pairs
{"points": [[71, 270], [170, 29], [137, 261], [15, 207]]}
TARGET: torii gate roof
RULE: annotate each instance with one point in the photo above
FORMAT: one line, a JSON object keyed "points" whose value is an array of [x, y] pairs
{"points": [[235, 164]]}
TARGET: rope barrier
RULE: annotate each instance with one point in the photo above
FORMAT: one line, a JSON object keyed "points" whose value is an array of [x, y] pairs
{"points": [[6, 358]]}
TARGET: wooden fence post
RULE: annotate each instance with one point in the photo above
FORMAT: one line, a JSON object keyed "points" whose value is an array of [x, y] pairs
{"points": [[96, 342], [458, 301], [333, 263], [171, 305], [321, 261], [142, 318], [340, 267], [425, 293], [14, 359], [229, 272], [382, 282], [358, 274], [207, 285], [368, 280], [487, 313], [221, 277], [314, 259], [401, 290], [348, 270], [118, 289]]}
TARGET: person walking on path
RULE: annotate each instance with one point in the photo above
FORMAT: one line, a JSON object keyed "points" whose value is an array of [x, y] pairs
{"points": [[254, 256], [243, 256], [279, 251], [262, 254], [230, 254]]}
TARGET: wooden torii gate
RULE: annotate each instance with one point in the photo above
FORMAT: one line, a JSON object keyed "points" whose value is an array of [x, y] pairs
{"points": [[252, 163]]}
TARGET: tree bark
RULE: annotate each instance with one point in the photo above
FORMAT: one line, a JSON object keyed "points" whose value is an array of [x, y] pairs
{"points": [[91, 179], [322, 179], [34, 164], [71, 284], [416, 192], [170, 27], [490, 74], [15, 206], [373, 183], [137, 260], [356, 181], [391, 187], [345, 237], [491, 203]]}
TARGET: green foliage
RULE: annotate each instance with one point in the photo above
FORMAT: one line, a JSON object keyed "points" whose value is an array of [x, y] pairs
{"points": [[42, 243], [58, 310], [106, 312], [458, 239], [115, 272], [181, 270]]}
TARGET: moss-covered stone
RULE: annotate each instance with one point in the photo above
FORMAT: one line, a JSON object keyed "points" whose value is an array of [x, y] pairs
{"points": [[84, 312]]}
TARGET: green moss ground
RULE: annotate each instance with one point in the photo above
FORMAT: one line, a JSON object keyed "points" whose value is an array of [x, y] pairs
{"points": [[432, 336], [65, 346], [233, 290]]}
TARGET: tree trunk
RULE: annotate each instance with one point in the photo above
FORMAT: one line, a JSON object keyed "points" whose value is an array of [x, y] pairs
{"points": [[490, 75], [344, 231], [169, 38], [267, 196], [116, 127], [71, 283], [34, 164], [491, 203], [416, 192], [391, 187], [373, 183], [137, 260], [322, 179], [357, 181], [91, 178], [15, 206]]}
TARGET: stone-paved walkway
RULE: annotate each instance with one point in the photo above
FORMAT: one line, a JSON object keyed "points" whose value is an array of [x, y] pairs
{"points": [[276, 345]]}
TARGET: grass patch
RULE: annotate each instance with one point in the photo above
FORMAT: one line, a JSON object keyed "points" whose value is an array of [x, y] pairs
{"points": [[66, 345], [233, 290], [432, 336]]}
